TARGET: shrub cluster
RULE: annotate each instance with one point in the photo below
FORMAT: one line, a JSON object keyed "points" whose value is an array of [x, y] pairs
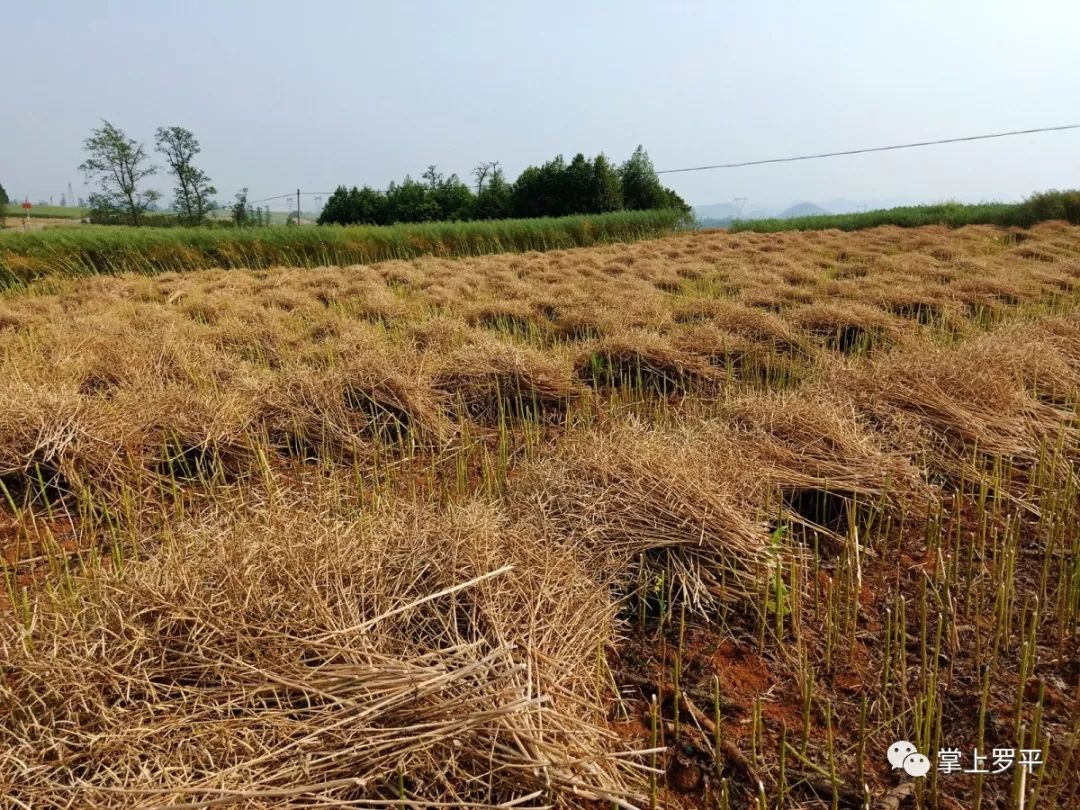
{"points": [[1046, 205], [555, 189], [1039, 207]]}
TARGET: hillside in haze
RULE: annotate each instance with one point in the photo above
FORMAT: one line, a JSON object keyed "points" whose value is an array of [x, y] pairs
{"points": [[803, 209], [720, 215]]}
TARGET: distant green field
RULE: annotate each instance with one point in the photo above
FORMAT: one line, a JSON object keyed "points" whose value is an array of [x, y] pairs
{"points": [[47, 211], [1037, 208], [96, 249]]}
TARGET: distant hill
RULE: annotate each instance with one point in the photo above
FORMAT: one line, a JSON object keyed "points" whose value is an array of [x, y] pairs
{"points": [[725, 213], [803, 209]]}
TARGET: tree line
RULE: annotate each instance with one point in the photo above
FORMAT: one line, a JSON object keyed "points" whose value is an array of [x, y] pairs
{"points": [[119, 167], [556, 188]]}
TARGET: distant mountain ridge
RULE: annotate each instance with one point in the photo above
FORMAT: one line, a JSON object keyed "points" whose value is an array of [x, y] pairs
{"points": [[719, 215], [803, 209]]}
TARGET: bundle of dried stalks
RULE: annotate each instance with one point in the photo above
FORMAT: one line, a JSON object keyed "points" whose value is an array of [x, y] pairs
{"points": [[644, 362], [43, 443], [754, 324], [638, 495], [981, 397], [827, 466], [489, 381], [183, 434], [338, 409], [414, 656], [718, 347], [512, 317], [848, 328]]}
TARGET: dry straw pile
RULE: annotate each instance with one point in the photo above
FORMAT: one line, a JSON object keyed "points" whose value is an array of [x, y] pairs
{"points": [[701, 521]]}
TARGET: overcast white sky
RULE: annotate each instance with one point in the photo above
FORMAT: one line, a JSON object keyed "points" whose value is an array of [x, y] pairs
{"points": [[318, 93]]}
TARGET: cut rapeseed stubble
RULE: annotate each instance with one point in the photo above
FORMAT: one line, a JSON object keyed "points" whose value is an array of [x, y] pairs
{"points": [[637, 524]]}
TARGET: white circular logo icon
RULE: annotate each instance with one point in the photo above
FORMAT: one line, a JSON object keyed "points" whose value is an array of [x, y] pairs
{"points": [[916, 765], [898, 752]]}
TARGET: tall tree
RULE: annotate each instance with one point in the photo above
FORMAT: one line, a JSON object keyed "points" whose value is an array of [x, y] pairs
{"points": [[493, 201], [3, 197], [411, 201], [483, 172], [454, 198], [433, 177], [541, 191], [118, 164], [577, 182], [241, 208], [641, 187], [606, 189], [338, 210], [194, 192]]}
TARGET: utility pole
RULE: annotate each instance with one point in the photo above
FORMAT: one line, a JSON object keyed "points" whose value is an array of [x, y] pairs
{"points": [[298, 208]]}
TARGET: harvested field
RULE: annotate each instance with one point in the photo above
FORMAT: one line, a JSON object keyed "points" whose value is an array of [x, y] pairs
{"points": [[702, 521]]}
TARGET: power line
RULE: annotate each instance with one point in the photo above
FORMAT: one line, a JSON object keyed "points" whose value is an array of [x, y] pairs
{"points": [[871, 149], [793, 159], [290, 194]]}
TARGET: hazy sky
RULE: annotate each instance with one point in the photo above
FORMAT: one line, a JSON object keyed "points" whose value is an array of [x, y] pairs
{"points": [[318, 93]]}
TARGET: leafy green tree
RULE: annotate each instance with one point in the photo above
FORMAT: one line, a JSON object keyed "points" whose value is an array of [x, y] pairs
{"points": [[493, 201], [575, 187], [432, 178], [641, 187], [673, 200], [240, 209], [194, 192], [484, 172], [605, 193], [555, 188], [411, 202], [455, 200], [526, 195], [118, 164], [448, 195], [337, 210], [540, 192], [3, 197], [370, 206]]}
